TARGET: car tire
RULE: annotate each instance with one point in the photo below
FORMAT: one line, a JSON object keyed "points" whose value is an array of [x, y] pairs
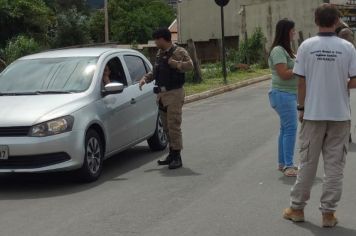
{"points": [[159, 140], [93, 158]]}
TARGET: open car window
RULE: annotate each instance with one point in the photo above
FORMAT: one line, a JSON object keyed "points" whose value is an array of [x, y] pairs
{"points": [[117, 73]]}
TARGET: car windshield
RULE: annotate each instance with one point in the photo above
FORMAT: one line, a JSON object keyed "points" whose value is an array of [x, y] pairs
{"points": [[48, 75]]}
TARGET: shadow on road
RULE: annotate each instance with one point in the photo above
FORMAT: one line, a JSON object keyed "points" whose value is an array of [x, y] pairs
{"points": [[318, 231], [33, 186], [164, 171], [352, 147], [290, 181]]}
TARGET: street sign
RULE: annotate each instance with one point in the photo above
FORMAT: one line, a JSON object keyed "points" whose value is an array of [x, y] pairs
{"points": [[222, 3]]}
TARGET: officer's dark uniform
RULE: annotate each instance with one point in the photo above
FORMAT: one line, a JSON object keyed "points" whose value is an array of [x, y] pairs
{"points": [[170, 96], [165, 76]]}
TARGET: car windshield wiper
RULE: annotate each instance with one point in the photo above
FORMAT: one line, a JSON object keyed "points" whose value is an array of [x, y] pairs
{"points": [[18, 94], [35, 93], [53, 92]]}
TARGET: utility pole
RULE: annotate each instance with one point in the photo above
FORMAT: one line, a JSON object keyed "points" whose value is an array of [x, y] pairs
{"points": [[106, 21]]}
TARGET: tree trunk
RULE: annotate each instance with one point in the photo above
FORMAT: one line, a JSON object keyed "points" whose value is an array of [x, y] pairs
{"points": [[193, 53]]}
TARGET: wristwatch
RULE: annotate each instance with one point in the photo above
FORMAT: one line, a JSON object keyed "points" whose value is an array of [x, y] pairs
{"points": [[300, 108]]}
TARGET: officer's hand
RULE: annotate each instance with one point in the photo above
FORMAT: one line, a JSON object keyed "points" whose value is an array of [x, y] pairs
{"points": [[173, 63], [142, 83], [301, 116]]}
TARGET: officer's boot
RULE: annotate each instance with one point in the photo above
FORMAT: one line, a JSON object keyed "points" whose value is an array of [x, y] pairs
{"points": [[176, 160], [167, 160]]}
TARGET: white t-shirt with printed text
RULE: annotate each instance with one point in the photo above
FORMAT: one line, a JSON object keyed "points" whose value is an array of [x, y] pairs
{"points": [[327, 62]]}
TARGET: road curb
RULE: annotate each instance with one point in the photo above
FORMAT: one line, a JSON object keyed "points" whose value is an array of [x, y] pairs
{"points": [[224, 89]]}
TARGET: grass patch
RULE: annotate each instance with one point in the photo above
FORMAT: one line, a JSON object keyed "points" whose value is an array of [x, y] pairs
{"points": [[217, 82]]}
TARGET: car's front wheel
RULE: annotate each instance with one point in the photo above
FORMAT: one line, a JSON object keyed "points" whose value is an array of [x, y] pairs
{"points": [[93, 158], [159, 140]]}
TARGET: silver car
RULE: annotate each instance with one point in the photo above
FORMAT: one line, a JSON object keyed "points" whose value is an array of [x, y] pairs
{"points": [[57, 114]]}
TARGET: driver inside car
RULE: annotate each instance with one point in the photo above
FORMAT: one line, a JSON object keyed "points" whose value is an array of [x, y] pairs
{"points": [[106, 75]]}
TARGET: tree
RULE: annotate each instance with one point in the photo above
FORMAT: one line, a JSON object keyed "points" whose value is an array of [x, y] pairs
{"points": [[27, 17], [135, 20], [97, 25], [20, 46], [60, 23], [64, 5], [72, 28]]}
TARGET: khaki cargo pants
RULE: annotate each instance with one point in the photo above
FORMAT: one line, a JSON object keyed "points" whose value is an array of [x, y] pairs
{"points": [[171, 104], [330, 138]]}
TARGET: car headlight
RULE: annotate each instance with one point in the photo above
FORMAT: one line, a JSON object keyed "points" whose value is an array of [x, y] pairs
{"points": [[52, 127]]}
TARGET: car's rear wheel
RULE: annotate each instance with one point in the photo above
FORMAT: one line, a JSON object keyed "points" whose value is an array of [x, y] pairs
{"points": [[159, 140], [93, 158]]}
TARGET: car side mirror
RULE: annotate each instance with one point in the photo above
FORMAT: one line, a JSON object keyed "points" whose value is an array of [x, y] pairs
{"points": [[113, 88]]}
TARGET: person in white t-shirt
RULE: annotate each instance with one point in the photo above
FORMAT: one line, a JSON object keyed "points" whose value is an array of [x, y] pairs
{"points": [[344, 32], [326, 67]]}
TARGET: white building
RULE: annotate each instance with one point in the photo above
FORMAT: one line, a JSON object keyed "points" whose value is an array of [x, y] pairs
{"points": [[200, 19], [346, 2]]}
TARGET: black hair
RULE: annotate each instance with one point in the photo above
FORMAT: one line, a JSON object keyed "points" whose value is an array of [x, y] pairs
{"points": [[282, 37], [162, 33]]}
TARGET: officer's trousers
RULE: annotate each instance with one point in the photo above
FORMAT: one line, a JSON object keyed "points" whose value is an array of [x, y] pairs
{"points": [[171, 104], [330, 138]]}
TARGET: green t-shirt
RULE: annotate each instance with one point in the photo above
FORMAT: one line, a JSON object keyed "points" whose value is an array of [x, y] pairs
{"points": [[280, 56]]}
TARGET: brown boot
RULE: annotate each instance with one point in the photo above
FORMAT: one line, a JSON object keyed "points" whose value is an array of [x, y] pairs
{"points": [[293, 215], [329, 220]]}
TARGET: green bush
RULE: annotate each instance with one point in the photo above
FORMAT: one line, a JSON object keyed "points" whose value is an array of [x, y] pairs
{"points": [[209, 71], [251, 51], [212, 71], [18, 47]]}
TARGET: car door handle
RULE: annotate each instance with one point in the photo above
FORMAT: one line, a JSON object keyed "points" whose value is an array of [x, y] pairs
{"points": [[133, 101]]}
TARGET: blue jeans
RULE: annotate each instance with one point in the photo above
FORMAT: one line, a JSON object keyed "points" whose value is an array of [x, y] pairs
{"points": [[285, 104]]}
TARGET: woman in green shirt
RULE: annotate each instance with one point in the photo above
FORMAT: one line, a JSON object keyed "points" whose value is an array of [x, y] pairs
{"points": [[283, 94]]}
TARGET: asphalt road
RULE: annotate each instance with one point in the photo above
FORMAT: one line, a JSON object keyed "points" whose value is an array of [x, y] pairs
{"points": [[228, 187]]}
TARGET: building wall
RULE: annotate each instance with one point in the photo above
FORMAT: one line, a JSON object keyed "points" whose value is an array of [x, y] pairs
{"points": [[200, 19], [343, 1], [267, 14]]}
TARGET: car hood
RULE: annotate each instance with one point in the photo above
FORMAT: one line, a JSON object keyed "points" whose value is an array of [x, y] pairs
{"points": [[31, 110]]}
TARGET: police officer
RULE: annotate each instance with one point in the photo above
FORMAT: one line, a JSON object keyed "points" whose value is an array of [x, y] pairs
{"points": [[169, 70]]}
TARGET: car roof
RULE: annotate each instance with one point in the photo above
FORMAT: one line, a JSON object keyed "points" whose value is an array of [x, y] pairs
{"points": [[76, 52]]}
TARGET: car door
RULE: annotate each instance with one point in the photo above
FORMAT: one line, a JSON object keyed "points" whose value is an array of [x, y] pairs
{"points": [[146, 104], [121, 111]]}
